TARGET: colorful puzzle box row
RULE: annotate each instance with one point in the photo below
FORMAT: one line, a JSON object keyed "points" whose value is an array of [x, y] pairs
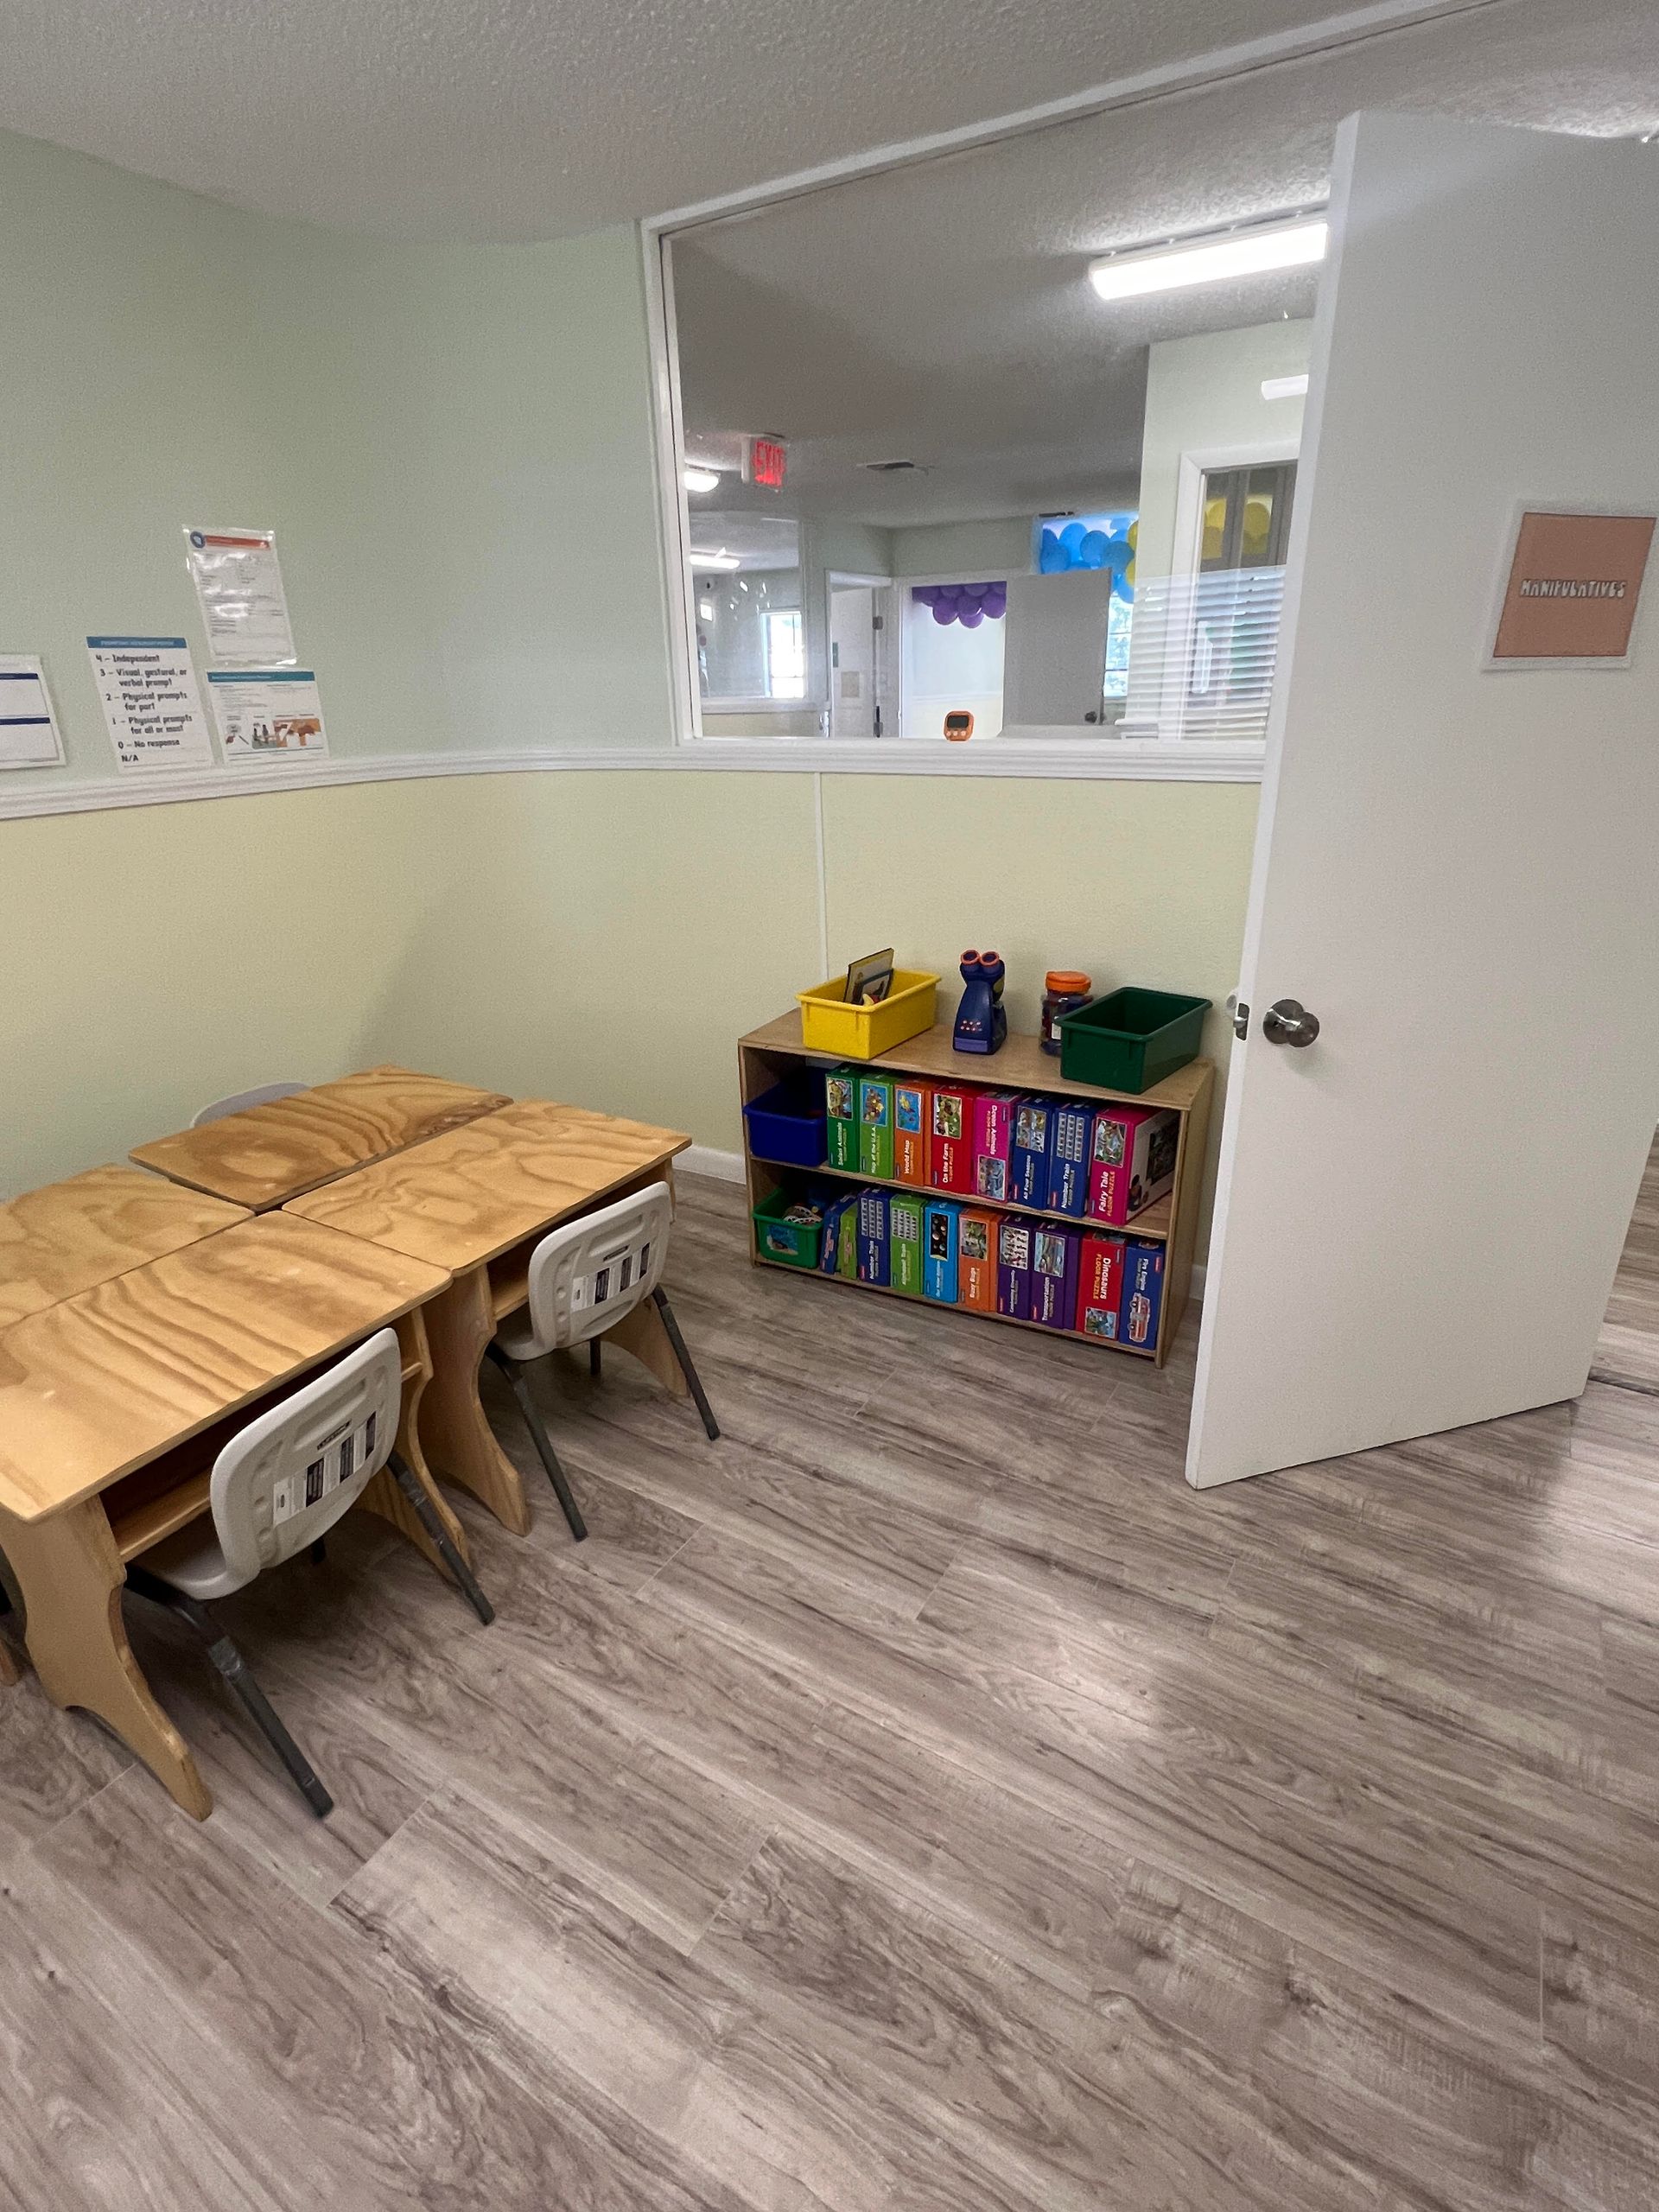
{"points": [[955, 1253], [1103, 1163]]}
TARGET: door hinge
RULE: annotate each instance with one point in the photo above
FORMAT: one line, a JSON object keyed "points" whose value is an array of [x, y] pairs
{"points": [[1241, 1017]]}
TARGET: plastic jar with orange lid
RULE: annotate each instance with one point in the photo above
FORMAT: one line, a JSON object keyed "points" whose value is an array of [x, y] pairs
{"points": [[1064, 989]]}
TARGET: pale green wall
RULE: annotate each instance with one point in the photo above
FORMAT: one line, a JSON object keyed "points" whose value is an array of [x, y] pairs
{"points": [[1000, 548], [453, 444], [1204, 393]]}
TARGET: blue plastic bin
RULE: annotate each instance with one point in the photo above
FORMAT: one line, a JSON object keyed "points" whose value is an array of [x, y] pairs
{"points": [[788, 1125]]}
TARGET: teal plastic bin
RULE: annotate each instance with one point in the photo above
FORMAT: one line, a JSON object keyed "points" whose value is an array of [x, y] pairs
{"points": [[1131, 1039], [795, 1242]]}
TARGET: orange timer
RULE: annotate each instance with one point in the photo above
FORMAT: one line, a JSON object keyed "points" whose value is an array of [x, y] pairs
{"points": [[958, 725]]}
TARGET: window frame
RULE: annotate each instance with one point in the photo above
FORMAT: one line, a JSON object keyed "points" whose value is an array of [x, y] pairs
{"points": [[1030, 752]]}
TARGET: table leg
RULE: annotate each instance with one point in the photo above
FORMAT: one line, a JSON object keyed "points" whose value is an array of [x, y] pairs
{"points": [[70, 1575], [383, 1496], [642, 1333], [460, 1443]]}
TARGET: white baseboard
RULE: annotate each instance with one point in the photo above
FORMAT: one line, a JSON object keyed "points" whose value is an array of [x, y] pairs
{"points": [[705, 1159]]}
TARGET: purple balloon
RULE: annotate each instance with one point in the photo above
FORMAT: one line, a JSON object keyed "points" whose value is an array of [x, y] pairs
{"points": [[926, 594], [944, 611], [972, 615], [974, 591], [996, 603]]}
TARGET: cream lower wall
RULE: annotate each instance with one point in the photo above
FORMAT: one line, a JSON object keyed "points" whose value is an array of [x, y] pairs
{"points": [[600, 937]]}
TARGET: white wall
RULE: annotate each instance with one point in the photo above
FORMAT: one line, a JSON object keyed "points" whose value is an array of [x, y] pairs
{"points": [[947, 666], [1205, 394]]}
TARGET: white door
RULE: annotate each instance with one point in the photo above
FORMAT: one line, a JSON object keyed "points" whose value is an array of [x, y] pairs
{"points": [[1457, 869], [1054, 670], [852, 660]]}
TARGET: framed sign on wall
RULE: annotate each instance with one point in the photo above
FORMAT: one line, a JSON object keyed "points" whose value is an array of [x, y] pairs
{"points": [[1571, 588]]}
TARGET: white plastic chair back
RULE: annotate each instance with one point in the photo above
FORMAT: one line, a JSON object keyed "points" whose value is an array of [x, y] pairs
{"points": [[239, 1101], [587, 1274], [289, 1476]]}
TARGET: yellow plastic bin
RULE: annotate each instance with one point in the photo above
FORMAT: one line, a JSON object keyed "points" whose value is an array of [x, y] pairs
{"points": [[859, 1032]]}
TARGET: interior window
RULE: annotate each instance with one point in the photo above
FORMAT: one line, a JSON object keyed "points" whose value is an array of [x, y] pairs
{"points": [[930, 467]]}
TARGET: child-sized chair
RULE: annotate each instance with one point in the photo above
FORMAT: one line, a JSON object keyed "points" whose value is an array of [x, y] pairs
{"points": [[278, 1488], [585, 1276]]}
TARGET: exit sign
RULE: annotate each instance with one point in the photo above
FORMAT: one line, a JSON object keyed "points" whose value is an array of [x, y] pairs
{"points": [[768, 459]]}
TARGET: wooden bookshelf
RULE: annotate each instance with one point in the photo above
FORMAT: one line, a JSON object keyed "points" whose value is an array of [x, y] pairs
{"points": [[768, 1055]]}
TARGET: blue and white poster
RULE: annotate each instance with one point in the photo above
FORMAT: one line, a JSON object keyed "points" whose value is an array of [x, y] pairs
{"points": [[28, 729], [268, 713]]}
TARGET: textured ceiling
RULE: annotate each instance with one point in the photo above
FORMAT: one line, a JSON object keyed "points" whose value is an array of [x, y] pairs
{"points": [[941, 312], [536, 118]]}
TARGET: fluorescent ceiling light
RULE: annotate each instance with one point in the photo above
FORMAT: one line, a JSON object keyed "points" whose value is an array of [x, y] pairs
{"points": [[720, 560], [1207, 261], [1284, 387], [699, 480]]}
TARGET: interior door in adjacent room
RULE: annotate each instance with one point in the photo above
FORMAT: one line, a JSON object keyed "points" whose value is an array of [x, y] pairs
{"points": [[1420, 1211]]}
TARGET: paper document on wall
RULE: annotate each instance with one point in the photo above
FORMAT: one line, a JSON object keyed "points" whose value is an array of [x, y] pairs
{"points": [[239, 583], [268, 713], [147, 688], [28, 729]]}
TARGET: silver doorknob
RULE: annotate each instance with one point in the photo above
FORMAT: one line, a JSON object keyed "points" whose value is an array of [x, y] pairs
{"points": [[1287, 1021]]}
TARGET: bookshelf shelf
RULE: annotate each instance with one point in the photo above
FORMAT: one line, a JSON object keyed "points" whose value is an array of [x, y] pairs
{"points": [[767, 1055]]}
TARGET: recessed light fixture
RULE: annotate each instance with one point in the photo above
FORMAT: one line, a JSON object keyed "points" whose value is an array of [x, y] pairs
{"points": [[1247, 253], [699, 480], [1284, 387], [720, 560]]}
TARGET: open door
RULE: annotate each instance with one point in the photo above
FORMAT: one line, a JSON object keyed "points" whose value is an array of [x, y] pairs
{"points": [[1420, 1211]]}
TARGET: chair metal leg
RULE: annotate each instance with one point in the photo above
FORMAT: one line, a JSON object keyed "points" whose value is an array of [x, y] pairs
{"points": [[540, 1437], [235, 1670], [593, 1357], [432, 1520], [318, 1553], [659, 1300]]}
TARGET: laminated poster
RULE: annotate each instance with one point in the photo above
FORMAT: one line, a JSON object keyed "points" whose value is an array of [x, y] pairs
{"points": [[268, 713], [244, 607], [29, 731], [147, 688]]}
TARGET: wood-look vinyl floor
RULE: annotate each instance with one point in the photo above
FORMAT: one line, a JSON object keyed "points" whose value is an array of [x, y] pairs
{"points": [[918, 1802]]}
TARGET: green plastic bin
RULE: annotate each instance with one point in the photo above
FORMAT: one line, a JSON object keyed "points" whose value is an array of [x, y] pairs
{"points": [[1131, 1039], [795, 1242]]}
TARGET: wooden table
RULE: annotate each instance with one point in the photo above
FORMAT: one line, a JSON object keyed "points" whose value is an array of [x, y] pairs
{"points": [[476, 1202], [263, 1157], [113, 1403], [67, 1236]]}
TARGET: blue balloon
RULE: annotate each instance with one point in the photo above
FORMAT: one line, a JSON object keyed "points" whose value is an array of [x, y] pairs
{"points": [[1122, 588], [972, 615], [1091, 554], [1053, 558], [1118, 555], [1072, 537]]}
